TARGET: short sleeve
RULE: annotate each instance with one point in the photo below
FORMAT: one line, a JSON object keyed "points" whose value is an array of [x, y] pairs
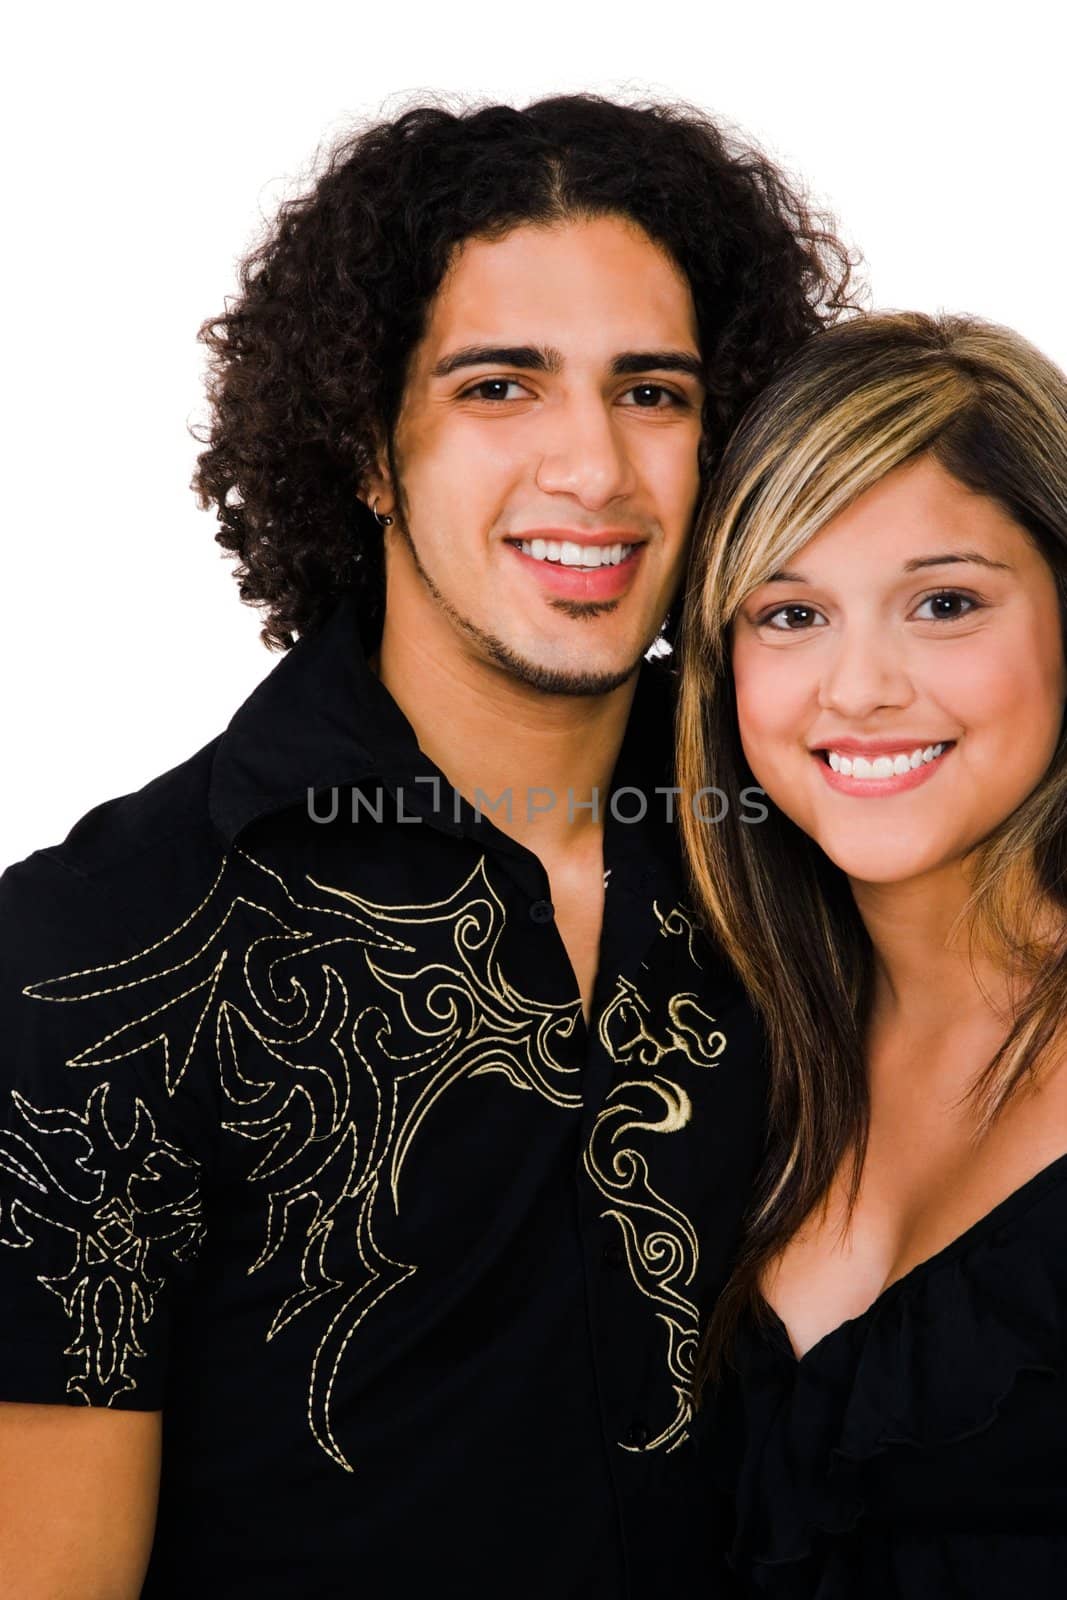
{"points": [[100, 1189]]}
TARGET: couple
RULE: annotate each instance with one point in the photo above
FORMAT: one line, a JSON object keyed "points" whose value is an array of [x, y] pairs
{"points": [[453, 1143]]}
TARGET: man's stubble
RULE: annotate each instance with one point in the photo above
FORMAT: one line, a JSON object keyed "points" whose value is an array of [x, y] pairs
{"points": [[545, 680]]}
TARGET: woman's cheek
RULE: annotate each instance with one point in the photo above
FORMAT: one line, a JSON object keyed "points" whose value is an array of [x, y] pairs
{"points": [[773, 718]]}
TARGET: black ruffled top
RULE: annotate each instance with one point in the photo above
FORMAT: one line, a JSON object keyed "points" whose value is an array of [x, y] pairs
{"points": [[919, 1449]]}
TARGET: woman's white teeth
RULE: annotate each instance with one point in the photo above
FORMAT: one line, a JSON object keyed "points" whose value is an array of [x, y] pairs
{"points": [[884, 766], [569, 554]]}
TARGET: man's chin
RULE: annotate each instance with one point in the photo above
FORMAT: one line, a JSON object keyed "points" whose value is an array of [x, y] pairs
{"points": [[563, 677], [558, 680]]}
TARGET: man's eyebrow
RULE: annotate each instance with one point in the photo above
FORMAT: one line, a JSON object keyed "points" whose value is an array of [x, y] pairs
{"points": [[542, 358], [527, 357], [949, 557], [658, 361]]}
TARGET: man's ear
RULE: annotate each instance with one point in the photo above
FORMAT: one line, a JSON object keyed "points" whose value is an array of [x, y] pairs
{"points": [[377, 487]]}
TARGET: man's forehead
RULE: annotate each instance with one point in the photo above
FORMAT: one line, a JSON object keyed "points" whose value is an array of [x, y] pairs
{"points": [[602, 282]]}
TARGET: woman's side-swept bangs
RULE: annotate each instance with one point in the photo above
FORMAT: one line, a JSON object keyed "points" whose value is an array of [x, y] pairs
{"points": [[857, 401]]}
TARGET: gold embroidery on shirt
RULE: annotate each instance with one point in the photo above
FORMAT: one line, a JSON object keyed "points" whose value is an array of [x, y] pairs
{"points": [[128, 1206], [293, 1057], [675, 922], [629, 1032], [661, 1244], [290, 1054]]}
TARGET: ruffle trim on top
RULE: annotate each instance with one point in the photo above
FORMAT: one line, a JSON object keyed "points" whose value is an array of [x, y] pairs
{"points": [[931, 1363]]}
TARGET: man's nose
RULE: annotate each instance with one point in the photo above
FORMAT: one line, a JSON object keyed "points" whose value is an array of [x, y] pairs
{"points": [[865, 672], [583, 453]]}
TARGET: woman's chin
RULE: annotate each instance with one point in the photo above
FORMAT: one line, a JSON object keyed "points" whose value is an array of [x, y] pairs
{"points": [[885, 861]]}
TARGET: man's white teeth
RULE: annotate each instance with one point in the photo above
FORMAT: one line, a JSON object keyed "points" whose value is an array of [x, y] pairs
{"points": [[884, 766], [569, 554]]}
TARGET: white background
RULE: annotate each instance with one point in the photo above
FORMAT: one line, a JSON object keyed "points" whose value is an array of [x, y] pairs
{"points": [[144, 148]]}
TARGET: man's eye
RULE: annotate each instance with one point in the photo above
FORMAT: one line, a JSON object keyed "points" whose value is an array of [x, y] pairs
{"points": [[947, 605], [792, 619], [494, 389], [653, 396]]}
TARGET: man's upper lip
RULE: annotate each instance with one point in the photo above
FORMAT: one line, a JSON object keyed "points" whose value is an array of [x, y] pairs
{"points": [[576, 536], [877, 747]]}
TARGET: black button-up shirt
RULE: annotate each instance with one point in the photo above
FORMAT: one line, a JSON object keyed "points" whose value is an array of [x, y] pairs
{"points": [[304, 1140]]}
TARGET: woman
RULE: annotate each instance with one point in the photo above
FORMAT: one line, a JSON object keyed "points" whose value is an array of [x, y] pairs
{"points": [[874, 634]]}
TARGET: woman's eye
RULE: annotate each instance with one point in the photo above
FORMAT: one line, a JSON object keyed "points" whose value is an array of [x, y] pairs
{"points": [[792, 619], [652, 396], [494, 389], [945, 606]]}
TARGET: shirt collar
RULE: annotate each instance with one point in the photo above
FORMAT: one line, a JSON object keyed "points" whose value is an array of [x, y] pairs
{"points": [[321, 718]]}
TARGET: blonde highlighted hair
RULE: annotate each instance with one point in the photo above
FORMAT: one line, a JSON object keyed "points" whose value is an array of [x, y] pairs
{"points": [[857, 401]]}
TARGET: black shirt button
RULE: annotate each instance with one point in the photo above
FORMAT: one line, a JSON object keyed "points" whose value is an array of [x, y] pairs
{"points": [[614, 1255], [542, 911], [637, 1435]]}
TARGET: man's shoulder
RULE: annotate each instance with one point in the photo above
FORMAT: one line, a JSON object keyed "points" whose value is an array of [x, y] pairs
{"points": [[120, 857], [128, 825]]}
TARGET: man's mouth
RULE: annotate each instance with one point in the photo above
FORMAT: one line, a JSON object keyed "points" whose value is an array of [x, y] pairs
{"points": [[581, 557]]}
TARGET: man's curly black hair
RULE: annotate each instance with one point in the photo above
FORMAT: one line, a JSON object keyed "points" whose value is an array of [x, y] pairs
{"points": [[308, 362]]}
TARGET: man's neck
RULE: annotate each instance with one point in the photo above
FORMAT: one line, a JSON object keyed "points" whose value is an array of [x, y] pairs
{"points": [[491, 734]]}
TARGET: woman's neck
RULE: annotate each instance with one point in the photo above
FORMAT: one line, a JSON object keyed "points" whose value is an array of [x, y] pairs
{"points": [[928, 969]]}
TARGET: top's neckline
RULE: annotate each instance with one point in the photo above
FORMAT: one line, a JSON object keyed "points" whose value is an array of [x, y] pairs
{"points": [[1018, 1200]]}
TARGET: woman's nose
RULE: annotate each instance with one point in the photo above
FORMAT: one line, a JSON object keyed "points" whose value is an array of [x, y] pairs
{"points": [[864, 673]]}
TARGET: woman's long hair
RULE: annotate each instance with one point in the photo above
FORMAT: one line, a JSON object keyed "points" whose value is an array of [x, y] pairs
{"points": [[859, 400]]}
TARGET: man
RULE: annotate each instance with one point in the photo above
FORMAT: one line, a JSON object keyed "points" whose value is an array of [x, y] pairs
{"points": [[376, 1126]]}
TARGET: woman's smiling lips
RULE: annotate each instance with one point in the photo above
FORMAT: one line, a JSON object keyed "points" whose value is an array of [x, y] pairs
{"points": [[575, 566], [838, 761]]}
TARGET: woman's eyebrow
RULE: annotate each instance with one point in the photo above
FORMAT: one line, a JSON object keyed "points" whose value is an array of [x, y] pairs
{"points": [[950, 557], [916, 564]]}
